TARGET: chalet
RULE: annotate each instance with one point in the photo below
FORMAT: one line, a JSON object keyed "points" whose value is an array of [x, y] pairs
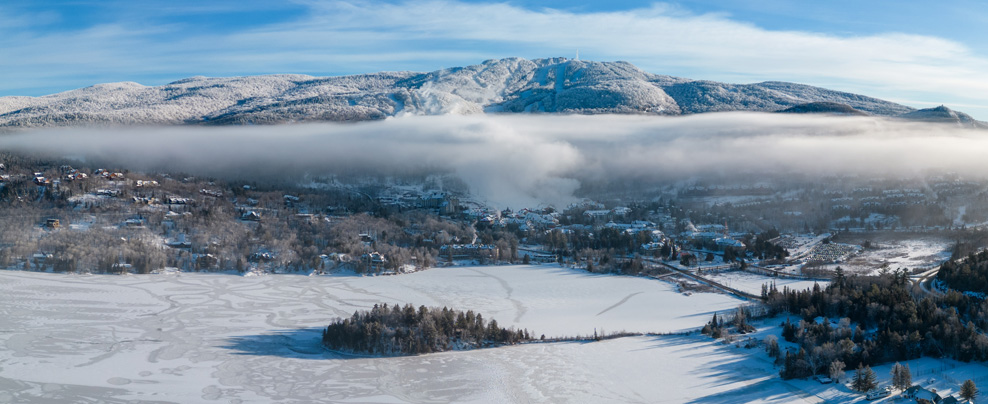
{"points": [[134, 223], [41, 258], [728, 242], [597, 213], [949, 400], [642, 224], [441, 202], [2, 167], [919, 393], [108, 192], [621, 210], [145, 184], [212, 193], [174, 200], [468, 251], [374, 260], [41, 181], [144, 200], [53, 223], [261, 256], [72, 176], [207, 261], [251, 215], [652, 246], [179, 242], [538, 256]]}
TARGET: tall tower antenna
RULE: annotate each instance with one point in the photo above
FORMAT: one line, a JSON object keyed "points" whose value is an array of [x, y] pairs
{"points": [[577, 54]]}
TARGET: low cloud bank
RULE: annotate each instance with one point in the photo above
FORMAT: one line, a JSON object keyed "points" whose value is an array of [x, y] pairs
{"points": [[523, 159]]}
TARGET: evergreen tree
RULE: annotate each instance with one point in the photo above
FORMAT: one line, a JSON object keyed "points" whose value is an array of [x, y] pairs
{"points": [[968, 390], [404, 331], [864, 379], [906, 377], [901, 377]]}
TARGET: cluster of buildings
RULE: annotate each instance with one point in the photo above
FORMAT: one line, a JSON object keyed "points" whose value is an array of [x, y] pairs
{"points": [[718, 234], [454, 252], [442, 203]]}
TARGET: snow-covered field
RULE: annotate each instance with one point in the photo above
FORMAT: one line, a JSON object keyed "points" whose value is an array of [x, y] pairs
{"points": [[752, 283], [922, 253], [225, 338]]}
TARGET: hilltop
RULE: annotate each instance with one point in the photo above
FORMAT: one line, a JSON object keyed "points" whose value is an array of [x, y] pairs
{"points": [[512, 85]]}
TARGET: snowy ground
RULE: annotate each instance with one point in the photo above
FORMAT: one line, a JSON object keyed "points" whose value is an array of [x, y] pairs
{"points": [[198, 338], [921, 253], [944, 375], [752, 283], [222, 338]]}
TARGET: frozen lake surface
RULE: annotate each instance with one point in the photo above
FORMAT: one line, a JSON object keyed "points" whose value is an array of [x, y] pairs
{"points": [[223, 338]]}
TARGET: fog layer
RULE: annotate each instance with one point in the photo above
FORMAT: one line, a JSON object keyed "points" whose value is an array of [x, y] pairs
{"points": [[528, 159]]}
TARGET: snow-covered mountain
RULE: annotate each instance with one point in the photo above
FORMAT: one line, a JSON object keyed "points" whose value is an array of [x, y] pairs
{"points": [[943, 114], [513, 85]]}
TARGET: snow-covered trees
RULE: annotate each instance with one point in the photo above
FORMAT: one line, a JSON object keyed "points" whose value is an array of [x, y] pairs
{"points": [[968, 390], [901, 376], [836, 371], [864, 379], [395, 330]]}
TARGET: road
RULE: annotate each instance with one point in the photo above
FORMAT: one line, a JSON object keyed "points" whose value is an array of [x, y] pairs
{"points": [[924, 279], [698, 278]]}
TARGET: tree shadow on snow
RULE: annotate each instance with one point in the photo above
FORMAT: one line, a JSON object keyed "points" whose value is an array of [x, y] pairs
{"points": [[302, 343], [765, 390]]}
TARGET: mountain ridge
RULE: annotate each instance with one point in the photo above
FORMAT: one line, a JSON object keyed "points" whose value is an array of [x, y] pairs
{"points": [[511, 85]]}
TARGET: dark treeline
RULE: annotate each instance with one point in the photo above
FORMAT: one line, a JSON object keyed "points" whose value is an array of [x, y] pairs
{"points": [[721, 328], [881, 320], [968, 275], [394, 330]]}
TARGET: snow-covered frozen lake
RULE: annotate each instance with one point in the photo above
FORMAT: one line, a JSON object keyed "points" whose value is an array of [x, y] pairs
{"points": [[223, 338]]}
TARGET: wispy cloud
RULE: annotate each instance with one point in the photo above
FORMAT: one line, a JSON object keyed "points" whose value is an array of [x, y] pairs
{"points": [[361, 36]]}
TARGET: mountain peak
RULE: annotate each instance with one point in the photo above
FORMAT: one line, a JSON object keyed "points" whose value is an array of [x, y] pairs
{"points": [[942, 114], [509, 85]]}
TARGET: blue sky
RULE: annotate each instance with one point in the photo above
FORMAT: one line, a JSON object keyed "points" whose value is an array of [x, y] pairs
{"points": [[918, 53]]}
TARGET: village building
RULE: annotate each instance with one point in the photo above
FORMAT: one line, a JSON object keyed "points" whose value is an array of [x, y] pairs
{"points": [[251, 215], [468, 251]]}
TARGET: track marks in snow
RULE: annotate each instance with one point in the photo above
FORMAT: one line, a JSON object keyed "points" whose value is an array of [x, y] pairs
{"points": [[520, 308], [622, 301]]}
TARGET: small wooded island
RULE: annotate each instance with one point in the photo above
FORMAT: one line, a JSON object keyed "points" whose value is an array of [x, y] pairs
{"points": [[404, 330]]}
